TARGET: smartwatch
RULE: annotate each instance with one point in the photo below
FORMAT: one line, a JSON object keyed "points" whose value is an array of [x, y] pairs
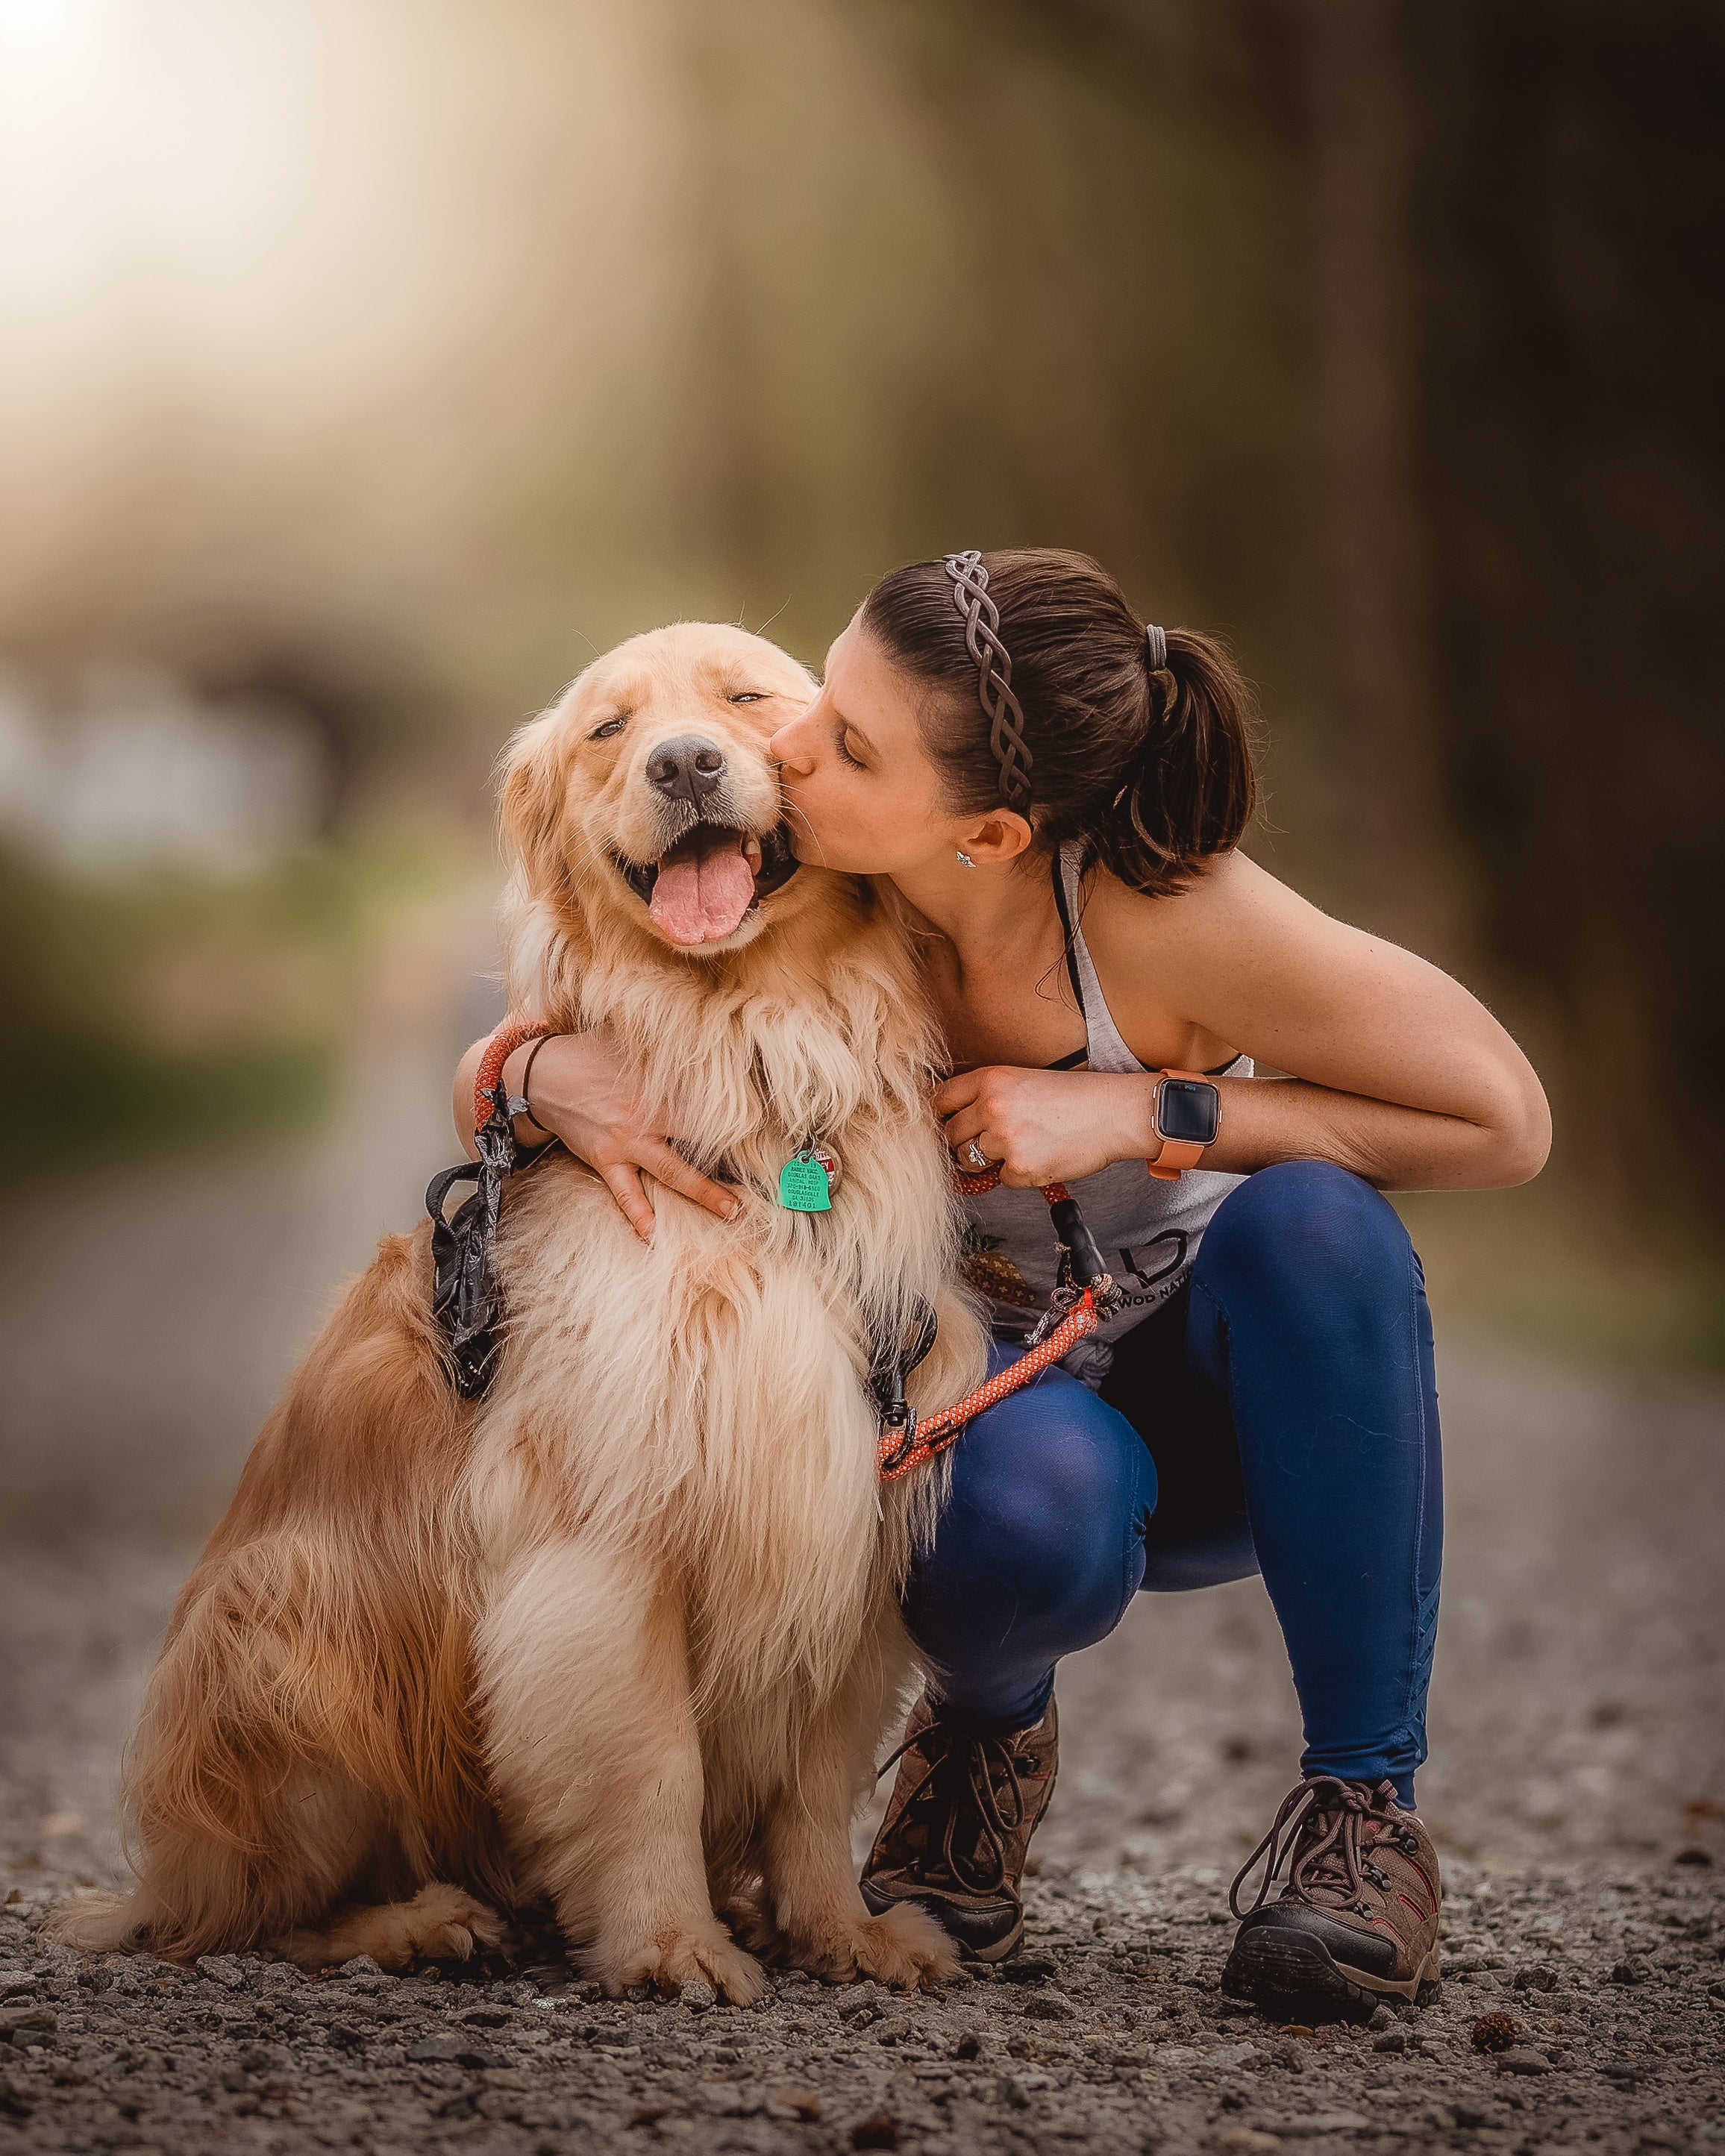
{"points": [[1188, 1113]]}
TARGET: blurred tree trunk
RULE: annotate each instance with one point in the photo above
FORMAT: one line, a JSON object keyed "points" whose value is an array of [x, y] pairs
{"points": [[1381, 673], [1571, 200]]}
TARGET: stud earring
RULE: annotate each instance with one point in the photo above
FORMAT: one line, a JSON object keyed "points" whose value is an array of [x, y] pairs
{"points": [[966, 858]]}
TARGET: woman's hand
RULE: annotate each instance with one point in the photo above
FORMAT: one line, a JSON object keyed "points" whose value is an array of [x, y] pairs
{"points": [[1047, 1126], [581, 1093]]}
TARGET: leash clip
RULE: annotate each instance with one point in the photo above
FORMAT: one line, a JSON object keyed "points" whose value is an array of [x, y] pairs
{"points": [[1066, 1299], [886, 1381], [464, 1298], [1082, 1267], [898, 1435]]}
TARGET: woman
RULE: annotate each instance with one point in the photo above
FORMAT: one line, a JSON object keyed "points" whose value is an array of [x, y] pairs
{"points": [[1056, 794]]}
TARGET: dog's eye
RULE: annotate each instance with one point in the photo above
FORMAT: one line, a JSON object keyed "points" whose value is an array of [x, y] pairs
{"points": [[611, 727], [749, 696]]}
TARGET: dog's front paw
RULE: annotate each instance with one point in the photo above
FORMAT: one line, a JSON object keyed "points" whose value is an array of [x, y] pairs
{"points": [[905, 1949], [673, 1959]]}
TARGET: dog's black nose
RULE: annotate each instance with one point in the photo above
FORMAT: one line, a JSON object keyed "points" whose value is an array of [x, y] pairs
{"points": [[686, 769]]}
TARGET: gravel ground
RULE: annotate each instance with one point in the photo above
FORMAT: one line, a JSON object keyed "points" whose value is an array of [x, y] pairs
{"points": [[1109, 2034], [1574, 1787], [1576, 1732]]}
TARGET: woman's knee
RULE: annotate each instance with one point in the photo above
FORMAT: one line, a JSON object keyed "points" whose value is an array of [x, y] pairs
{"points": [[1051, 1492], [1304, 1228]]}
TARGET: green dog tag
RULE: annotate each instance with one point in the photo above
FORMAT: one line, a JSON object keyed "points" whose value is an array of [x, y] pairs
{"points": [[803, 1185]]}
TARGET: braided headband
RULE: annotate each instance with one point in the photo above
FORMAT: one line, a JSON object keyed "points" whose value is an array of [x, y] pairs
{"points": [[981, 639]]}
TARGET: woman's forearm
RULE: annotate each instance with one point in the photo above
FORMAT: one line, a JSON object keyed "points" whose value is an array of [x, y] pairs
{"points": [[1264, 1121], [1054, 1126]]}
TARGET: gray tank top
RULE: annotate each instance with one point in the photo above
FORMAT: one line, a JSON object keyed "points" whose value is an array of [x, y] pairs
{"points": [[1149, 1230]]}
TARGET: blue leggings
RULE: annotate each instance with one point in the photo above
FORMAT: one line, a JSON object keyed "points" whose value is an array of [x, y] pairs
{"points": [[1280, 1415]]}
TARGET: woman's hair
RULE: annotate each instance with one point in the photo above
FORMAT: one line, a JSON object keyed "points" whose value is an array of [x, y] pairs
{"points": [[1151, 771]]}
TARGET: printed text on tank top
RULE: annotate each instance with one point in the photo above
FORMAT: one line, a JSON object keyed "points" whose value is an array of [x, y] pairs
{"points": [[1149, 1231]]}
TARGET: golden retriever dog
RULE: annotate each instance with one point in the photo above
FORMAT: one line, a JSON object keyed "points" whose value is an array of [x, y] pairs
{"points": [[624, 1635]]}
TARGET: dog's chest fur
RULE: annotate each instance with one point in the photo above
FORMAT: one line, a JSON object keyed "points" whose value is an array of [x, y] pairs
{"points": [[700, 1402]]}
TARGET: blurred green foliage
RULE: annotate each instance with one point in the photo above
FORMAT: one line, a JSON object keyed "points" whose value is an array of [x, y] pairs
{"points": [[170, 1009]]}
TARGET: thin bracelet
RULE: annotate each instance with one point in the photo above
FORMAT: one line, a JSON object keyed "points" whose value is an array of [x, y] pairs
{"points": [[526, 1074]]}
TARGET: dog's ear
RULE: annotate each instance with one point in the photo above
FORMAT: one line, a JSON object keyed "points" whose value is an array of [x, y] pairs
{"points": [[532, 804]]}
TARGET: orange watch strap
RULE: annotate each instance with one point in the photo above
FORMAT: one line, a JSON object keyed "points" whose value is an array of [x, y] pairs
{"points": [[1177, 1154]]}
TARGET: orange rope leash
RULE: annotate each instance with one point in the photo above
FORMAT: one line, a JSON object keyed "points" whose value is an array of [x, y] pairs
{"points": [[936, 1432], [973, 1186], [502, 1044]]}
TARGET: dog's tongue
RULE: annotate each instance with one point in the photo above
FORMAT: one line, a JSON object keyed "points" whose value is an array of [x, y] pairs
{"points": [[702, 897]]}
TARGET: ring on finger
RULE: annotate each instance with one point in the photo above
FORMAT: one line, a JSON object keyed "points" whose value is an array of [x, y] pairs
{"points": [[975, 1156]]}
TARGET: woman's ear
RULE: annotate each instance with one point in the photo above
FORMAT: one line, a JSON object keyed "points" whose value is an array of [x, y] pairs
{"points": [[1001, 836], [532, 804]]}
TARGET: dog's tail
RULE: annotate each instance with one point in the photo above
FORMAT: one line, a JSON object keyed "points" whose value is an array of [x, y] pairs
{"points": [[101, 1923]]}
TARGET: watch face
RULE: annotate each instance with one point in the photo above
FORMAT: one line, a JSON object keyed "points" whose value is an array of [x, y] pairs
{"points": [[1188, 1110]]}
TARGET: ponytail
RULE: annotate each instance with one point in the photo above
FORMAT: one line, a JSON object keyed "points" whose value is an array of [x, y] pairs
{"points": [[1189, 791]]}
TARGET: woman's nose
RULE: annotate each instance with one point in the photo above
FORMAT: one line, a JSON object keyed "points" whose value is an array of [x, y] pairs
{"points": [[786, 748]]}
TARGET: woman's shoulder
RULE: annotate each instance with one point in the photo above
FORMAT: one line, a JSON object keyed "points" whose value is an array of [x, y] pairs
{"points": [[1228, 895], [1239, 949], [1202, 955]]}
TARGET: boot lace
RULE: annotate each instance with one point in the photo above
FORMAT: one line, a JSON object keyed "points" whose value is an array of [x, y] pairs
{"points": [[970, 1777], [1317, 1834]]}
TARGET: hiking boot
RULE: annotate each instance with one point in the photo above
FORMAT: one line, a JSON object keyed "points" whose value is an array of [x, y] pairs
{"points": [[964, 1807], [1358, 1920]]}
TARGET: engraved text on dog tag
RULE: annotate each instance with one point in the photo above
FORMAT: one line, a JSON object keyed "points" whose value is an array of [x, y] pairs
{"points": [[803, 1184]]}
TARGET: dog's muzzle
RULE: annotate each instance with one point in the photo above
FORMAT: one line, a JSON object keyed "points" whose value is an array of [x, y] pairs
{"points": [[702, 888]]}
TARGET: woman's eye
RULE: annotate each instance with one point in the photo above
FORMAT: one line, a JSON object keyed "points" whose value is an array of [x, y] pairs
{"points": [[844, 755], [611, 727]]}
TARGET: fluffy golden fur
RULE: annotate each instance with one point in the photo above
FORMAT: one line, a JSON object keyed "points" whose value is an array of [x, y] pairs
{"points": [[623, 1636]]}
